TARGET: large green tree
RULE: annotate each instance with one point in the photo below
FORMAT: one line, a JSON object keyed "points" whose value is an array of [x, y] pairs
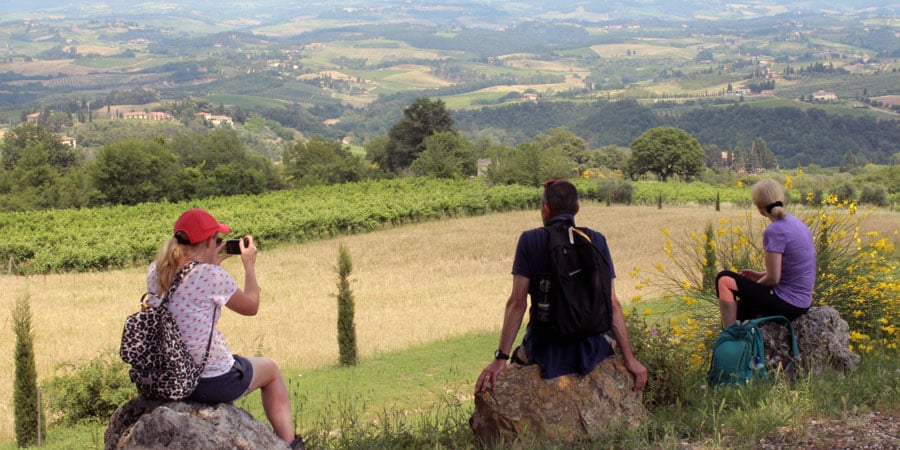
{"points": [[132, 171], [244, 173], [570, 144], [321, 161], [447, 154], [31, 136], [406, 139], [665, 151], [31, 184], [611, 157], [528, 163]]}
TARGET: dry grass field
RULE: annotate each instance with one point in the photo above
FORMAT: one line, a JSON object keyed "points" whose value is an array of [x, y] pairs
{"points": [[43, 68], [647, 48], [412, 284]]}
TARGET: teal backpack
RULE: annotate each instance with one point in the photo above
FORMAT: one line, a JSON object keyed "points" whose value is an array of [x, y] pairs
{"points": [[738, 354]]}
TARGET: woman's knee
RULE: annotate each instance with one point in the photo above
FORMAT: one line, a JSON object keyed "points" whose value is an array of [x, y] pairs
{"points": [[265, 370], [726, 282]]}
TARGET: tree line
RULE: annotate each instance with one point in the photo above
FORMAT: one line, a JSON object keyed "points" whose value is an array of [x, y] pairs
{"points": [[797, 137], [40, 171]]}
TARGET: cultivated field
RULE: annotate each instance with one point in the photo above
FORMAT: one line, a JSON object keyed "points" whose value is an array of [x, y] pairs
{"points": [[412, 284]]}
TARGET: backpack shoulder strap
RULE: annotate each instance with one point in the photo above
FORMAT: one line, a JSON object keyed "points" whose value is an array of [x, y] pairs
{"points": [[179, 276], [186, 269], [795, 351]]}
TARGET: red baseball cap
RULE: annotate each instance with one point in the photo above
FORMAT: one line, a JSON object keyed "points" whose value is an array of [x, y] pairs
{"points": [[198, 225]]}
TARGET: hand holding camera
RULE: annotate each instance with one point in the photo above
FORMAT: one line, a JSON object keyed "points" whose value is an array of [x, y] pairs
{"points": [[244, 246], [233, 246]]}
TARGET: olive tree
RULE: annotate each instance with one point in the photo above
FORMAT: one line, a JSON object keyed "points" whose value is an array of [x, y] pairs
{"points": [[665, 151]]}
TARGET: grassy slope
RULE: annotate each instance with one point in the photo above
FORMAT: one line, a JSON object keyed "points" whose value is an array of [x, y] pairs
{"points": [[448, 314]]}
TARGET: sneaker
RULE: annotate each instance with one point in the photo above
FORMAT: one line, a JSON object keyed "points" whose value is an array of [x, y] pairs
{"points": [[297, 443]]}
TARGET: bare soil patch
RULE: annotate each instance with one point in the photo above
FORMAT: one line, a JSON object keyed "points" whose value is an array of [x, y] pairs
{"points": [[890, 100]]}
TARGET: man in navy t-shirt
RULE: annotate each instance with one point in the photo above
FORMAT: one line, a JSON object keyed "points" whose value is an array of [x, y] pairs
{"points": [[553, 355]]}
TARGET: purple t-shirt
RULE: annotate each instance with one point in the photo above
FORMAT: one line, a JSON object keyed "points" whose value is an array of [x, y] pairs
{"points": [[792, 238]]}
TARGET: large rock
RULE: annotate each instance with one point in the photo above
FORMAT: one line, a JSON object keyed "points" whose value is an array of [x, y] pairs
{"points": [[145, 424], [822, 337], [565, 409]]}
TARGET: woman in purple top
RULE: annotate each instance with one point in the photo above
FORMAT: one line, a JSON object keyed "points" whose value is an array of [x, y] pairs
{"points": [[785, 287]]}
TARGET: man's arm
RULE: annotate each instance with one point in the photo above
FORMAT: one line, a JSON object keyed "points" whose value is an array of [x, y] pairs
{"points": [[512, 321], [620, 332]]}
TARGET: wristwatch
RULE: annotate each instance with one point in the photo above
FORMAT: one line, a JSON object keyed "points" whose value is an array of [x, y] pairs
{"points": [[500, 355]]}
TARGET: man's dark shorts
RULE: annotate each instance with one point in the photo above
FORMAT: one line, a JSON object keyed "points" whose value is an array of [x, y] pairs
{"points": [[227, 387]]}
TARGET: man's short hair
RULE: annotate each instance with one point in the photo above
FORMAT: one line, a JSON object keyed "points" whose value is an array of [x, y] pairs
{"points": [[561, 196]]}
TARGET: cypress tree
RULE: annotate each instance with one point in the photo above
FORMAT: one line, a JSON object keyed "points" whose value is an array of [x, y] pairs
{"points": [[709, 260], [25, 388], [345, 327]]}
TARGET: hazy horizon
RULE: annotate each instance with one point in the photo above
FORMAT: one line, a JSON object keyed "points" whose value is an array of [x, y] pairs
{"points": [[458, 13]]}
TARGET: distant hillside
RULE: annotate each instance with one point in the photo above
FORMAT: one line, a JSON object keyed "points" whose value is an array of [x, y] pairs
{"points": [[796, 136]]}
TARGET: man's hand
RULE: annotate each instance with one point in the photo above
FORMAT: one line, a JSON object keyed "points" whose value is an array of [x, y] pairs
{"points": [[638, 371], [489, 375]]}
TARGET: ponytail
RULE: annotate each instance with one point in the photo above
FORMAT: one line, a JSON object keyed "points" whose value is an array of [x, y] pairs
{"points": [[768, 194], [776, 209], [168, 261]]}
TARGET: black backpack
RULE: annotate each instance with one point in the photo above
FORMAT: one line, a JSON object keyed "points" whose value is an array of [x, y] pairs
{"points": [[575, 292]]}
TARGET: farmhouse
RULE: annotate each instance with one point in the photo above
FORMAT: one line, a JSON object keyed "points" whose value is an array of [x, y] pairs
{"points": [[216, 119], [151, 115], [68, 140], [824, 95]]}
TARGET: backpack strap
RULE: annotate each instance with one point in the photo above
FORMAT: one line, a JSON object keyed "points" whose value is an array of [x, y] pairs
{"points": [[186, 269], [795, 351]]}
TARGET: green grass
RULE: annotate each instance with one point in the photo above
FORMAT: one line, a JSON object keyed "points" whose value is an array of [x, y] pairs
{"points": [[422, 398], [246, 101], [472, 98], [420, 384], [407, 382]]}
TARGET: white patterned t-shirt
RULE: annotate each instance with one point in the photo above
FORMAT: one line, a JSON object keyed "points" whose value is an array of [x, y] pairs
{"points": [[205, 288]]}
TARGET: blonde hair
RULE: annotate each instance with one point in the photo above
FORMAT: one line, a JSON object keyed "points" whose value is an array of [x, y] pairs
{"points": [[766, 193], [168, 261]]}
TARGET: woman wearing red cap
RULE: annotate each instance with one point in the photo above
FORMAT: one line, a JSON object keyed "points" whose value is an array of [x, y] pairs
{"points": [[196, 306]]}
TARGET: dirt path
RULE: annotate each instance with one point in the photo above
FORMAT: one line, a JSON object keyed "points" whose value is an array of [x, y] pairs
{"points": [[875, 430]]}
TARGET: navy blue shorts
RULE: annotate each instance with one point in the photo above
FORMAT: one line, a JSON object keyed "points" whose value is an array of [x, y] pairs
{"points": [[755, 300], [227, 387]]}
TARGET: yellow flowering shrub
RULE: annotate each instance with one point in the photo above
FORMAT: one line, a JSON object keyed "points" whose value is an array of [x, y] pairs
{"points": [[856, 274]]}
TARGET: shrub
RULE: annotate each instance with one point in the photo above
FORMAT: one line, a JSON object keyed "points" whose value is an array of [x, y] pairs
{"points": [[874, 194], [845, 192], [672, 366], [93, 390], [815, 196], [856, 275], [615, 191]]}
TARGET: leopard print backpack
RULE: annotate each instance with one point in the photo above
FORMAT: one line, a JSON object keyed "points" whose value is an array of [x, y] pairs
{"points": [[161, 366]]}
